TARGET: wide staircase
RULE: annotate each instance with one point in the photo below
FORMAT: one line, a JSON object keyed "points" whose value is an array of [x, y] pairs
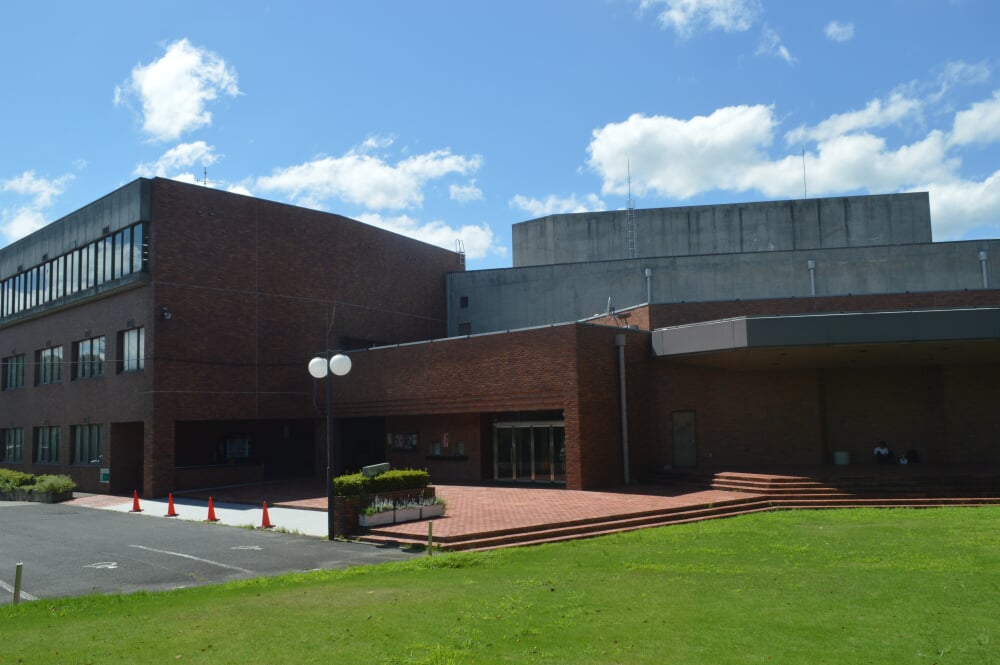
{"points": [[572, 529], [745, 493], [877, 486]]}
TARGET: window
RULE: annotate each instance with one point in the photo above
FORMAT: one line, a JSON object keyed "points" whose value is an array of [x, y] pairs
{"points": [[13, 372], [48, 364], [111, 257], [47, 445], [132, 346], [88, 357], [464, 328], [87, 444], [463, 302], [13, 445]]}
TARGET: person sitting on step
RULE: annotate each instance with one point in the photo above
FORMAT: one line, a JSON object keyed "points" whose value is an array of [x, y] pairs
{"points": [[882, 453]]}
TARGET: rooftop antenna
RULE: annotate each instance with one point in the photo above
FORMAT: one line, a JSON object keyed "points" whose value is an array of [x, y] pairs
{"points": [[460, 248], [205, 181], [630, 215], [805, 193]]}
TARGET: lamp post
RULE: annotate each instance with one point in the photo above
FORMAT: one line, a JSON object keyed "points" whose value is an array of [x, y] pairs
{"points": [[318, 366]]}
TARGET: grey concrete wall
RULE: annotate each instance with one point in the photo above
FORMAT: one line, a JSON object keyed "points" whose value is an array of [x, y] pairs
{"points": [[852, 221], [115, 211], [521, 297]]}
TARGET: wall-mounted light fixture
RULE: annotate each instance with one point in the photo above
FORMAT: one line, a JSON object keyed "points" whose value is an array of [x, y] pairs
{"points": [[165, 313]]}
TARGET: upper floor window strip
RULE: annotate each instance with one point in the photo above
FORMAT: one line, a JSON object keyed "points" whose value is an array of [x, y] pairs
{"points": [[106, 259]]}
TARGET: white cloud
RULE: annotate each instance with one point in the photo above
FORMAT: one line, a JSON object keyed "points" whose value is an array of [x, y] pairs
{"points": [[20, 220], [41, 190], [958, 206], [687, 16], [770, 44], [677, 158], [876, 114], [182, 156], [732, 150], [478, 241], [978, 124], [554, 205], [175, 90], [360, 178], [465, 193], [959, 73], [839, 32]]}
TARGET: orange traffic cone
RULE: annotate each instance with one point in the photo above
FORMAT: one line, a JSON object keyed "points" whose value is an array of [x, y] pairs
{"points": [[170, 506], [135, 502], [265, 522], [211, 511]]}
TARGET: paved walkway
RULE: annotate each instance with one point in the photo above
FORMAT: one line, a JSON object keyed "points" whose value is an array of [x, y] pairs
{"points": [[471, 510], [305, 522]]}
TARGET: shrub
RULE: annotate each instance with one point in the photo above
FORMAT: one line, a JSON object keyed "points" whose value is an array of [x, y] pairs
{"points": [[352, 484], [400, 479], [355, 484], [52, 484], [10, 479]]}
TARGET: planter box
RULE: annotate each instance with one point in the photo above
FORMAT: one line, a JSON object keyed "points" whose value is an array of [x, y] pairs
{"points": [[407, 514], [427, 512], [376, 519]]}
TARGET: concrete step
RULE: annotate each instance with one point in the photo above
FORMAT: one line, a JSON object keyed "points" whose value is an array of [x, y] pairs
{"points": [[574, 530]]}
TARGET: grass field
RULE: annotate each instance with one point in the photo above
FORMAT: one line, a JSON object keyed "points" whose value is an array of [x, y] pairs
{"points": [[841, 586]]}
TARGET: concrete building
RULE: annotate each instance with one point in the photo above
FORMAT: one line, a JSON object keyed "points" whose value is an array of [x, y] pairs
{"points": [[575, 263], [158, 339]]}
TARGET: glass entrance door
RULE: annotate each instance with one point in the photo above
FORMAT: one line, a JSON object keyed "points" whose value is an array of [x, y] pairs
{"points": [[529, 451]]}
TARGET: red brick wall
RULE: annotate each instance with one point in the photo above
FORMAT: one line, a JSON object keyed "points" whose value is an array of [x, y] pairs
{"points": [[743, 419], [597, 416], [464, 430], [111, 398], [527, 370], [572, 368]]}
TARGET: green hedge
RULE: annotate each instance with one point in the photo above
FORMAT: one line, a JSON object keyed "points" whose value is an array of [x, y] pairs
{"points": [[355, 484], [11, 480]]}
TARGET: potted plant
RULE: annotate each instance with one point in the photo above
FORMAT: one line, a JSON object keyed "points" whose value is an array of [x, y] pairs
{"points": [[431, 506], [377, 513], [407, 511]]}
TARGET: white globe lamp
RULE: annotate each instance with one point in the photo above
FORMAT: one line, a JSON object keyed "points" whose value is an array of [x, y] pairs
{"points": [[339, 364]]}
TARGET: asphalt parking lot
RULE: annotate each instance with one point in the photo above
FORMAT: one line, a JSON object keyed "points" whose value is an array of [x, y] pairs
{"points": [[73, 550]]}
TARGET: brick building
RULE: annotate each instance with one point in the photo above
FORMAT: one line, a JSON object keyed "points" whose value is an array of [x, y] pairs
{"points": [[158, 338]]}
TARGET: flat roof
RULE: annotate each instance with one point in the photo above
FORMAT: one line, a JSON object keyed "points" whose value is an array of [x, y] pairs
{"points": [[940, 336]]}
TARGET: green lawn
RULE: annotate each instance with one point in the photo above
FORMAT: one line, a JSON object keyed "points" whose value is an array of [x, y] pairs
{"points": [[845, 586]]}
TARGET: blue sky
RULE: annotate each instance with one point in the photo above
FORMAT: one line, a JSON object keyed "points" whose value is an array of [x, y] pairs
{"points": [[451, 121]]}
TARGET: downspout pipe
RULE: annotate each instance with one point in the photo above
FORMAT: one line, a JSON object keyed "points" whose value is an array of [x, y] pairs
{"points": [[620, 343], [984, 262], [811, 264], [649, 285]]}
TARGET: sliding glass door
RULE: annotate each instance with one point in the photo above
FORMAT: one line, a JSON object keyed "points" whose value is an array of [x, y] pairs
{"points": [[529, 451]]}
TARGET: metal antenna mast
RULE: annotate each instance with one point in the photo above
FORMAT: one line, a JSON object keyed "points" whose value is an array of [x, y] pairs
{"points": [[630, 216]]}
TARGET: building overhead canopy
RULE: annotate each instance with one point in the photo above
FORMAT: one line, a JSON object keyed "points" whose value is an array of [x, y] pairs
{"points": [[944, 336]]}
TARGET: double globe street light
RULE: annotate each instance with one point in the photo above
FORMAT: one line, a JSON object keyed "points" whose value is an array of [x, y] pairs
{"points": [[339, 365]]}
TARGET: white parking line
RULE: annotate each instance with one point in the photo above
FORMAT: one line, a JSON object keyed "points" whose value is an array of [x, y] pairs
{"points": [[195, 558], [24, 594]]}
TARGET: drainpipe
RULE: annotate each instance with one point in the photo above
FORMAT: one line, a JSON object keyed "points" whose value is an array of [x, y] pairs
{"points": [[812, 276], [649, 285], [984, 264], [620, 343]]}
